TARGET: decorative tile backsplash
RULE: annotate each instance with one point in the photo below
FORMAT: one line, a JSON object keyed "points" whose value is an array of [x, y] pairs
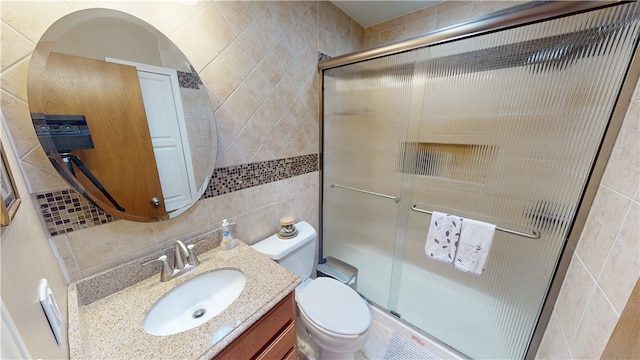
{"points": [[322, 56], [239, 177], [66, 211], [189, 80]]}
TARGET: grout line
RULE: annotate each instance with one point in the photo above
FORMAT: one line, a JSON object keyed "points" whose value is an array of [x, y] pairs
{"points": [[589, 297]]}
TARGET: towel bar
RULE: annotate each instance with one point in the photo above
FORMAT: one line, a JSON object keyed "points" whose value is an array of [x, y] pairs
{"points": [[535, 235], [394, 198]]}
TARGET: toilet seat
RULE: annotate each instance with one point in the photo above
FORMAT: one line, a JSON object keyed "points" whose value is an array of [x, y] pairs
{"points": [[334, 307], [308, 323]]}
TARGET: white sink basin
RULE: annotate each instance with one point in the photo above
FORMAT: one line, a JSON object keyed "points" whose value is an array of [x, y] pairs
{"points": [[194, 302]]}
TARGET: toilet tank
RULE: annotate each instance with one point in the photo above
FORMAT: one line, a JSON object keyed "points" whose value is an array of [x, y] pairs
{"points": [[296, 254]]}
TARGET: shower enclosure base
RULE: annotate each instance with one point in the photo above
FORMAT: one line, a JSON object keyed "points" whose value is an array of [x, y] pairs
{"points": [[399, 328]]}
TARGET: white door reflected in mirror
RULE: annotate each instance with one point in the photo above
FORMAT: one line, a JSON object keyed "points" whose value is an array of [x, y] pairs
{"points": [[163, 105]]}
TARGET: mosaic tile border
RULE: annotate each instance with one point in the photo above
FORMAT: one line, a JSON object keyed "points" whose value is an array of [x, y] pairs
{"points": [[234, 178], [66, 211], [323, 56], [189, 80]]}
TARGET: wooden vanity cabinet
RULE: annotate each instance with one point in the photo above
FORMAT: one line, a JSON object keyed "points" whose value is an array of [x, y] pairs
{"points": [[274, 336]]}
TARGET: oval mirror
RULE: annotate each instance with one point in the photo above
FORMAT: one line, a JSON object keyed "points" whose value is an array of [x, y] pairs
{"points": [[122, 115]]}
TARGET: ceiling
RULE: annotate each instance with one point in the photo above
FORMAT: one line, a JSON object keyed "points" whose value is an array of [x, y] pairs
{"points": [[367, 13]]}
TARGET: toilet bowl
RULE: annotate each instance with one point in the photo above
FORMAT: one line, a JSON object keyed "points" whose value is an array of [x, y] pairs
{"points": [[333, 314]]}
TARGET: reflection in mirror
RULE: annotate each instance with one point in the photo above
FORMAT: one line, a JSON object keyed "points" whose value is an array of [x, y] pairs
{"points": [[122, 115]]}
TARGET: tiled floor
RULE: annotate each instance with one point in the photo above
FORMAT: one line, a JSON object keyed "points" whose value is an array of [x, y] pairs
{"points": [[383, 343], [374, 349]]}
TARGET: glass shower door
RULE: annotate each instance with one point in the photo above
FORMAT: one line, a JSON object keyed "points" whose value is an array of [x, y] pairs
{"points": [[510, 126], [366, 117], [503, 128]]}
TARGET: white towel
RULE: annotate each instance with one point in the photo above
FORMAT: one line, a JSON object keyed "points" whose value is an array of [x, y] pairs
{"points": [[442, 238], [473, 248]]}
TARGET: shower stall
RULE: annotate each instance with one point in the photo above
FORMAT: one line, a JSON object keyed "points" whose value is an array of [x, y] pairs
{"points": [[503, 120]]}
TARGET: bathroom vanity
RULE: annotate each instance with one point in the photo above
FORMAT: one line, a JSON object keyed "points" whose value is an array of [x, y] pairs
{"points": [[259, 323], [274, 336]]}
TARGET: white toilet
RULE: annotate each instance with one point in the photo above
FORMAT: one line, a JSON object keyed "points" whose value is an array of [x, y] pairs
{"points": [[335, 316]]}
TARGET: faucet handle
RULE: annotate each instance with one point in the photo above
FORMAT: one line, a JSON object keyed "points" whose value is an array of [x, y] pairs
{"points": [[167, 271], [193, 258]]}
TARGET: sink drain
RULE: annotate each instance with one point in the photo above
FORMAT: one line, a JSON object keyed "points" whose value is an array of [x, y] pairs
{"points": [[198, 313]]}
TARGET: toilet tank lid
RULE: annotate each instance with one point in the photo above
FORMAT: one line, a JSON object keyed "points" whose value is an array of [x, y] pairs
{"points": [[277, 248]]}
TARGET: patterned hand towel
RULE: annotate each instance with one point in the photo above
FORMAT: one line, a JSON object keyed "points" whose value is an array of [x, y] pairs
{"points": [[442, 238], [475, 242]]}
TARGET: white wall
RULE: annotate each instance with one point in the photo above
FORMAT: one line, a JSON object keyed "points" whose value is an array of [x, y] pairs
{"points": [[27, 258]]}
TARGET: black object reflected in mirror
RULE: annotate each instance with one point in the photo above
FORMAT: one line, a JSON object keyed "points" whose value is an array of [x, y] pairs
{"points": [[61, 134]]}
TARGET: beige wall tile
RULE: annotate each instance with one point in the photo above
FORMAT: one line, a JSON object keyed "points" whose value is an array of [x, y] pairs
{"points": [[601, 229], [256, 8], [615, 268], [227, 206], [14, 81], [40, 180], [236, 14], [371, 39], [423, 13], [554, 344], [258, 225], [193, 222], [168, 18], [420, 27], [595, 328], [574, 297], [18, 121], [254, 42], [447, 6], [270, 26], [41, 15], [227, 157], [636, 92], [215, 101], [623, 171], [622, 268], [392, 33], [117, 241], [261, 196], [481, 8], [214, 34], [61, 245], [245, 145], [14, 46], [228, 125]]}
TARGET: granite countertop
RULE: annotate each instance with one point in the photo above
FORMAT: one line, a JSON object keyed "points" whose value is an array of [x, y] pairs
{"points": [[112, 327]]}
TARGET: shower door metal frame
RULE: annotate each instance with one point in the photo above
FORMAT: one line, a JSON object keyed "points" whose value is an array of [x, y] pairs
{"points": [[512, 17]]}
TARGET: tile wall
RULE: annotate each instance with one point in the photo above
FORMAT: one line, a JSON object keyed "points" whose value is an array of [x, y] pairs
{"points": [[606, 264], [257, 60], [430, 18]]}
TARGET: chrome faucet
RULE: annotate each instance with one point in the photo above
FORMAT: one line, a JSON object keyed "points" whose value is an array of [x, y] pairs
{"points": [[185, 260]]}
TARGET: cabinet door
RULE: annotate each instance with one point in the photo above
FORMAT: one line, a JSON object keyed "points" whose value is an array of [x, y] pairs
{"points": [[281, 347], [274, 336]]}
